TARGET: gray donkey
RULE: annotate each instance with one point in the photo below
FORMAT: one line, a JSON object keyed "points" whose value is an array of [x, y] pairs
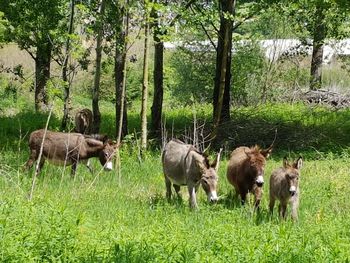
{"points": [[183, 164], [284, 186]]}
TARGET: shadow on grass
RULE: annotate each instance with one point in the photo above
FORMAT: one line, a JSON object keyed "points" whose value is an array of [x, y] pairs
{"points": [[158, 200], [308, 131], [16, 129], [257, 216], [230, 201]]}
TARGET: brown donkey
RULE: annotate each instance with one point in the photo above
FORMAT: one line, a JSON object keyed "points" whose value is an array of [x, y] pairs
{"points": [[245, 171], [69, 149], [284, 186], [83, 121]]}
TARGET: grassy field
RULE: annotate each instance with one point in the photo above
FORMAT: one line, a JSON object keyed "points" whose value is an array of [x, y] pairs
{"points": [[97, 218]]}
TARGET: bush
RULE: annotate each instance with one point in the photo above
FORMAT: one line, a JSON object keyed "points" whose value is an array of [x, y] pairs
{"points": [[248, 70], [192, 74]]}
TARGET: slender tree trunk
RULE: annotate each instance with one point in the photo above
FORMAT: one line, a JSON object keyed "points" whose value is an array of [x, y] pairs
{"points": [[66, 95], [225, 110], [42, 75], [120, 76], [221, 96], [96, 89], [145, 88], [158, 77], [319, 36], [222, 83]]}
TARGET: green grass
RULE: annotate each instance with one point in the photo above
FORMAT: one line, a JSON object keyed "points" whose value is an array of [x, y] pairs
{"points": [[88, 220], [70, 221]]}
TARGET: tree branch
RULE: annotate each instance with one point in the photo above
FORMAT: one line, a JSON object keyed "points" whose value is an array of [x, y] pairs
{"points": [[30, 53], [238, 24], [178, 16], [212, 24], [206, 32]]}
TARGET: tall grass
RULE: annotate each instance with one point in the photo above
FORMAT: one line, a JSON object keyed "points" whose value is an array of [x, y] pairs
{"points": [[134, 223], [67, 220]]}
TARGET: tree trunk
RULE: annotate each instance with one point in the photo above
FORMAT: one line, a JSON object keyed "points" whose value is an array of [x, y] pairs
{"points": [[96, 89], [120, 76], [145, 87], [66, 95], [221, 96], [222, 83], [42, 75], [158, 77], [319, 36]]}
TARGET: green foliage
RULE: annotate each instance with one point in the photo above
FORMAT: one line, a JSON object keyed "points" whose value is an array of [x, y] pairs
{"points": [[248, 71], [3, 24], [68, 221], [30, 23], [192, 75], [303, 15], [268, 25], [88, 220], [134, 80]]}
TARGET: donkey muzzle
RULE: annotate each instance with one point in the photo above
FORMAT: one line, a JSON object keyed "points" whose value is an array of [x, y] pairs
{"points": [[108, 166], [212, 197], [292, 190], [259, 181]]}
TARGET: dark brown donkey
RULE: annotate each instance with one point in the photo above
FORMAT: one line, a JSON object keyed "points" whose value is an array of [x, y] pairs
{"points": [[245, 171], [83, 121], [69, 149]]}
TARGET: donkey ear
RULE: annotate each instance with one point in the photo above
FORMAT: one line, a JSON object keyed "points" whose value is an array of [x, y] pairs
{"points": [[285, 162], [116, 145], [216, 162], [298, 163], [93, 143], [267, 152], [249, 154], [201, 165]]}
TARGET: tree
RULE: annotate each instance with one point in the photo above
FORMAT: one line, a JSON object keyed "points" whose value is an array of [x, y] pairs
{"points": [[145, 80], [66, 94], [318, 19], [159, 32], [35, 27], [96, 88], [221, 96], [122, 28], [158, 74]]}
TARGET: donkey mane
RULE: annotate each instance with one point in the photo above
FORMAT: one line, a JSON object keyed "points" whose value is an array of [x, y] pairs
{"points": [[194, 149], [100, 137], [258, 158]]}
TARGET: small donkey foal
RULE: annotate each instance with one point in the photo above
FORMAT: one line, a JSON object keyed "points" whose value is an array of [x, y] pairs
{"points": [[284, 186]]}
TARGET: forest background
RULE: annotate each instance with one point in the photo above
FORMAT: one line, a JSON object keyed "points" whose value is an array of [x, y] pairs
{"points": [[195, 70]]}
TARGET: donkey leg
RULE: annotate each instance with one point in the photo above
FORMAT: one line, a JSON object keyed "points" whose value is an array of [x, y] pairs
{"points": [[272, 204], [88, 165], [294, 208], [192, 193], [40, 165], [177, 190], [257, 195], [243, 195], [168, 188], [283, 210], [32, 158], [74, 168]]}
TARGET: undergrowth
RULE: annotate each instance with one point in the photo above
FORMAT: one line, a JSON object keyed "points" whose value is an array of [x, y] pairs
{"points": [[97, 218]]}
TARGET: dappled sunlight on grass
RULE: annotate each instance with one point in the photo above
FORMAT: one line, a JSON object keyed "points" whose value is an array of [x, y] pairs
{"points": [[97, 217]]}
